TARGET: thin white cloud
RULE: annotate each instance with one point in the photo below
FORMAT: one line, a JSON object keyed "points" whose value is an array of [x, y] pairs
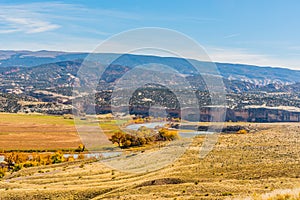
{"points": [[231, 35], [22, 18], [25, 24], [294, 48], [6, 31], [48, 16], [243, 56]]}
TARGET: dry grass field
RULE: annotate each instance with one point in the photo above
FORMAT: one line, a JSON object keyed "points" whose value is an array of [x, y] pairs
{"points": [[263, 164], [36, 132]]}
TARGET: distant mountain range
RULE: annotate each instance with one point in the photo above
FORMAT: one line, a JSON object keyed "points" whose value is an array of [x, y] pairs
{"points": [[257, 76]]}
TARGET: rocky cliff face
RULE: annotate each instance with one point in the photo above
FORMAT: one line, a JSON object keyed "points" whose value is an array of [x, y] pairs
{"points": [[262, 115]]}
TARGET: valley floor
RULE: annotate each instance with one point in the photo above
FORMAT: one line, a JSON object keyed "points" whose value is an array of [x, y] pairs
{"points": [[240, 166]]}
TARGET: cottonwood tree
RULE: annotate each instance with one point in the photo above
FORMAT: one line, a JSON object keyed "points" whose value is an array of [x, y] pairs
{"points": [[118, 137]]}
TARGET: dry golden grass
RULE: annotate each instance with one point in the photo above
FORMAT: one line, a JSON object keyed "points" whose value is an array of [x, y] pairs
{"points": [[281, 194], [240, 166], [36, 132]]}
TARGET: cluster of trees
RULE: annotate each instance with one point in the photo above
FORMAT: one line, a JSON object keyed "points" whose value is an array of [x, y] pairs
{"points": [[165, 134], [15, 161], [142, 136], [136, 138], [141, 120]]}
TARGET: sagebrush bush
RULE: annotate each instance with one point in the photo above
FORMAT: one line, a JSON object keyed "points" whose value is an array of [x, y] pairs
{"points": [[243, 131]]}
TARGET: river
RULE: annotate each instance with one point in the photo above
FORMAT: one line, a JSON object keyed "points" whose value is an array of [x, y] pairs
{"points": [[182, 132]]}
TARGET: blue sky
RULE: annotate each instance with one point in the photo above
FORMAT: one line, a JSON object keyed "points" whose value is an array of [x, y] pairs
{"points": [[252, 31]]}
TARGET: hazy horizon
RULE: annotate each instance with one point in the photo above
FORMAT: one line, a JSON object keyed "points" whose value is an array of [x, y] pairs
{"points": [[164, 56]]}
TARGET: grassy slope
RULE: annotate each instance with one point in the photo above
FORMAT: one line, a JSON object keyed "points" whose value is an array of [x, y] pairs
{"points": [[239, 166]]}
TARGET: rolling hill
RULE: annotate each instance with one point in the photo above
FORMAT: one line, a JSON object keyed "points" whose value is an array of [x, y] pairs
{"points": [[246, 73]]}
